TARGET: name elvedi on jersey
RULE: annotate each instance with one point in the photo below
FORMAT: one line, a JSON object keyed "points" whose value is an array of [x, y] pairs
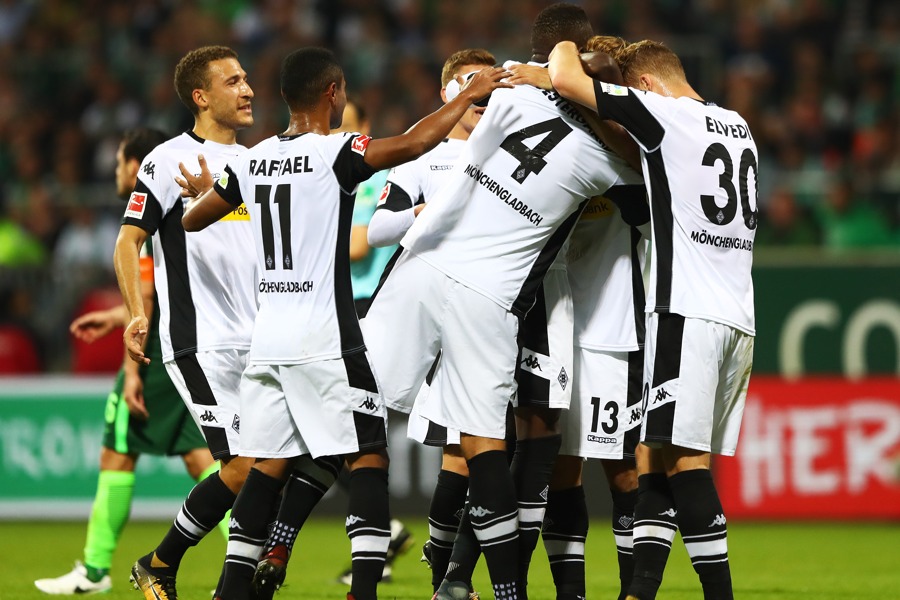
{"points": [[501, 192]]}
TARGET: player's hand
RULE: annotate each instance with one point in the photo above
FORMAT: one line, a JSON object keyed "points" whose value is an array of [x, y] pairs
{"points": [[134, 337], [484, 82], [191, 186], [523, 74], [417, 209], [94, 325], [133, 393]]}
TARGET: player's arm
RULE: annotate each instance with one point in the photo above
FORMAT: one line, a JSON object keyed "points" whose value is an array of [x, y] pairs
{"points": [[94, 325], [205, 210], [397, 210], [126, 259], [426, 134], [568, 77]]}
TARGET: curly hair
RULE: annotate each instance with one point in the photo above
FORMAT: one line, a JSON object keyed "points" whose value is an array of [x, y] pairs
{"points": [[192, 72]]}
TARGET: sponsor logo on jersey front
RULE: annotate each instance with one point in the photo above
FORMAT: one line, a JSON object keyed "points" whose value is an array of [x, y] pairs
{"points": [[285, 287], [238, 214], [503, 194], [360, 143], [136, 205], [598, 208]]}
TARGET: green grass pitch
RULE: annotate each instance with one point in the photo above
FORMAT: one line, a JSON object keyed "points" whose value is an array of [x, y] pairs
{"points": [[778, 561]]}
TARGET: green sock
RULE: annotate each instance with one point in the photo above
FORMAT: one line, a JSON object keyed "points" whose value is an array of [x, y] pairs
{"points": [[223, 524], [112, 504]]}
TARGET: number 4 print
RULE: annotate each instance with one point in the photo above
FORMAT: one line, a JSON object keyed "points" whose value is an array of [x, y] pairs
{"points": [[283, 200], [531, 160]]}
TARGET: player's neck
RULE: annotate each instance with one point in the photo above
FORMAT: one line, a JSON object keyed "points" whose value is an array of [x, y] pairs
{"points": [[214, 132], [459, 133], [317, 121]]}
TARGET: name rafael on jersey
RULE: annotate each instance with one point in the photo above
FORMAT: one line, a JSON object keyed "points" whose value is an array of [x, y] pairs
{"points": [[272, 168]]}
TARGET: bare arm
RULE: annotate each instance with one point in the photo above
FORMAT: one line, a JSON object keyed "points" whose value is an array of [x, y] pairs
{"points": [[568, 76], [359, 242], [426, 134], [614, 136], [205, 210], [127, 263]]}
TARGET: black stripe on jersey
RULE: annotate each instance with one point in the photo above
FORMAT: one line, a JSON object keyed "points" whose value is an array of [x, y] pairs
{"points": [[149, 221], [631, 113], [525, 300], [632, 203], [663, 223], [345, 309], [387, 269], [434, 367], [534, 390], [637, 289], [350, 167], [202, 395], [633, 401], [397, 199], [231, 194], [182, 313], [359, 373], [196, 137]]}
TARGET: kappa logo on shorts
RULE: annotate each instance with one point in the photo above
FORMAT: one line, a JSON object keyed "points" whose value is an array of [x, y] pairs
{"points": [[661, 394], [531, 361], [236, 424], [636, 414], [368, 403], [563, 378], [600, 439], [208, 417]]}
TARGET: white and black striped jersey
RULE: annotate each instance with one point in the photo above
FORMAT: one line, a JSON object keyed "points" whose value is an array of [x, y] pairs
{"points": [[409, 185], [605, 261], [300, 191], [516, 192], [205, 281], [700, 165]]}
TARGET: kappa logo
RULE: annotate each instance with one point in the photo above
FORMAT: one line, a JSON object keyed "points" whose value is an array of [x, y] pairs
{"points": [[233, 524], [669, 513], [531, 361], [563, 378], [478, 512], [353, 520], [150, 169], [360, 143], [661, 394], [718, 521], [626, 521], [236, 424], [208, 417], [136, 204], [636, 414], [368, 403]]}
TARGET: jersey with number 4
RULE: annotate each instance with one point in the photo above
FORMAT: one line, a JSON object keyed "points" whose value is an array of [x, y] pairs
{"points": [[517, 190], [204, 280], [300, 191], [700, 165]]}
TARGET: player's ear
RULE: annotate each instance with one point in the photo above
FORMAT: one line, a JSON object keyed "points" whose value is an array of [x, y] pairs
{"points": [[199, 98], [645, 82], [444, 95]]}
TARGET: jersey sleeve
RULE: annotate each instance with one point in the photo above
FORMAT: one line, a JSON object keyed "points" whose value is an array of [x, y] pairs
{"points": [[367, 197], [152, 197], [229, 187], [403, 189], [349, 165], [631, 109]]}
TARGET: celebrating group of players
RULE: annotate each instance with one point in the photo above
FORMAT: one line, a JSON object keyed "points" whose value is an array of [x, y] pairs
{"points": [[524, 209]]}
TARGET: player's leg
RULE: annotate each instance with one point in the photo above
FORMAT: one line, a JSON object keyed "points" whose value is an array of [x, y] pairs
{"points": [[565, 527], [110, 509], [445, 513], [368, 523], [621, 475]]}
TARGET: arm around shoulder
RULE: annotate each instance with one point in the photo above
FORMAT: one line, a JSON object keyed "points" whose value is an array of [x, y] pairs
{"points": [[568, 76]]}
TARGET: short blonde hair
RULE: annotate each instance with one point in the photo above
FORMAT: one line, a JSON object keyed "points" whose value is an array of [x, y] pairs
{"points": [[651, 57], [470, 56], [610, 44]]}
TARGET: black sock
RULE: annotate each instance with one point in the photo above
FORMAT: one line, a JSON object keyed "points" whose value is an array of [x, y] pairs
{"points": [[623, 528], [247, 533], [565, 531], [654, 529], [702, 524], [202, 510], [531, 468], [466, 551], [369, 529], [447, 505], [494, 514], [309, 481]]}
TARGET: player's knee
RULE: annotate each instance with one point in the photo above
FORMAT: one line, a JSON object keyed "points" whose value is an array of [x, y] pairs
{"points": [[375, 459], [110, 460], [453, 460], [566, 472], [621, 475], [534, 422]]}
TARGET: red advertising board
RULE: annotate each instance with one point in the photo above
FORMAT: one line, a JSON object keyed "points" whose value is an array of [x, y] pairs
{"points": [[823, 448]]}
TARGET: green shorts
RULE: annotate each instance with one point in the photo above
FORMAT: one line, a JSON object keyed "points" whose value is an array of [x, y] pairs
{"points": [[170, 430]]}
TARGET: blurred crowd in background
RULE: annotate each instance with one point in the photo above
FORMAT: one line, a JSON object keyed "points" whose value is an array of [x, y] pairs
{"points": [[817, 80]]}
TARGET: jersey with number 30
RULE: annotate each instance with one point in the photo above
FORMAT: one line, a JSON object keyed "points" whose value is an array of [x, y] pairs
{"points": [[514, 195], [299, 191], [700, 165]]}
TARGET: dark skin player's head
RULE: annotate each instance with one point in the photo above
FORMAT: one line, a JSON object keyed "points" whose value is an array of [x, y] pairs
{"points": [[561, 22], [312, 81]]}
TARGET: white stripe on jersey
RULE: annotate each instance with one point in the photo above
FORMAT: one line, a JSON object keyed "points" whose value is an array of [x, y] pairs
{"points": [[204, 281], [700, 165], [511, 201]]}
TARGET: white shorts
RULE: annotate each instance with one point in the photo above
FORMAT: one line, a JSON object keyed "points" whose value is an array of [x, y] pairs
{"points": [[604, 420], [419, 311], [419, 428], [322, 408], [544, 369], [208, 383], [696, 374]]}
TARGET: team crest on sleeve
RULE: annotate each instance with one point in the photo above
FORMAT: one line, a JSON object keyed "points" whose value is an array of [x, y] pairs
{"points": [[614, 90], [136, 204], [360, 143], [385, 192]]}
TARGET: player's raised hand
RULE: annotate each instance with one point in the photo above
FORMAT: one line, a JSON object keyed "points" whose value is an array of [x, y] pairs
{"points": [[193, 186], [92, 326], [523, 74], [485, 81], [134, 337]]}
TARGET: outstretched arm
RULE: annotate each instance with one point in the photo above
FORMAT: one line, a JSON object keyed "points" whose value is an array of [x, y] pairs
{"points": [[426, 134]]}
